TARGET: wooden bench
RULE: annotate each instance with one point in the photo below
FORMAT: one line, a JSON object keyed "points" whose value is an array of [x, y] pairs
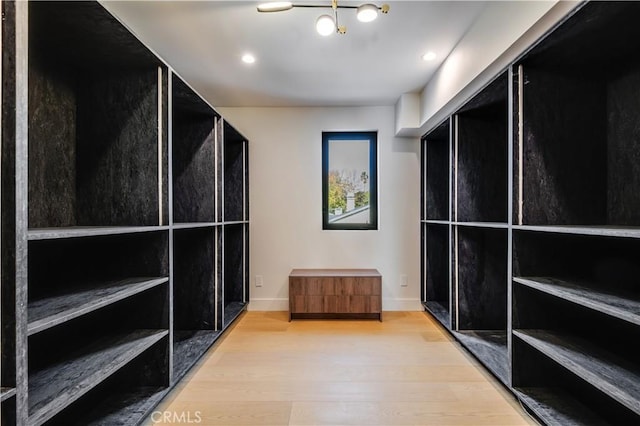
{"points": [[335, 293]]}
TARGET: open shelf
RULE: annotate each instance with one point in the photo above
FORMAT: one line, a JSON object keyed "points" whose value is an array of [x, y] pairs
{"points": [[615, 377], [490, 347], [439, 312], [126, 397], [599, 273], [588, 295], [68, 277], [194, 139], [188, 348], [480, 156], [195, 225], [235, 293], [481, 279], [88, 231], [95, 151], [6, 393], [49, 312], [436, 275], [557, 407], [601, 231], [54, 388], [436, 153], [234, 175], [579, 113], [120, 408], [195, 323]]}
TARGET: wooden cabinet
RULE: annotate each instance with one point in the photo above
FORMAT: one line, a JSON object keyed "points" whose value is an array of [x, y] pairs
{"points": [[335, 293]]}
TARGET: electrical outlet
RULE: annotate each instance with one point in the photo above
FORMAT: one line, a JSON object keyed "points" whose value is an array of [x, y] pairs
{"points": [[258, 280], [404, 280]]}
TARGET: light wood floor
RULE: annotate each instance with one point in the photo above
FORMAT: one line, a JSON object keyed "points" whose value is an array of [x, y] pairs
{"points": [[404, 371]]}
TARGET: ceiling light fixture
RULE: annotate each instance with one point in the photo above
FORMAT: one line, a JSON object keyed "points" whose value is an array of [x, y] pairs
{"points": [[429, 56], [326, 24], [248, 58]]}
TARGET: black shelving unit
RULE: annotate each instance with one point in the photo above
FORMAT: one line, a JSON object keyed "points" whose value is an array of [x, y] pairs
{"points": [[545, 229], [113, 187]]}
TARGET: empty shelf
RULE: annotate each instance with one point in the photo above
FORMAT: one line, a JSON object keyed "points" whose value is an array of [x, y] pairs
{"points": [[6, 393], [188, 347], [613, 376], [586, 295], [54, 388], [52, 311], [232, 311], [556, 407], [88, 231], [490, 347], [439, 312], [603, 231], [194, 225], [495, 225], [124, 409]]}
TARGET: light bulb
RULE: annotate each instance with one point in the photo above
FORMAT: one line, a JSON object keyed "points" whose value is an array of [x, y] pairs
{"points": [[276, 6], [325, 25], [367, 12], [429, 56], [248, 58]]}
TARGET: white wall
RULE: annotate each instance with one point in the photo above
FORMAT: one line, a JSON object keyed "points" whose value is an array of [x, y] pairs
{"points": [[502, 32], [285, 152]]}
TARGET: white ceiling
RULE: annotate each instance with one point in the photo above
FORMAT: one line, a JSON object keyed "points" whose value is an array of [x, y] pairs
{"points": [[373, 64]]}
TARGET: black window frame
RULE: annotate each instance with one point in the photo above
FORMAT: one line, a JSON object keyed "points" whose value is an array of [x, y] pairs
{"points": [[372, 137]]}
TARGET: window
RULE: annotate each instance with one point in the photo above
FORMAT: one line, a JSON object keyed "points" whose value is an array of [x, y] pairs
{"points": [[349, 180]]}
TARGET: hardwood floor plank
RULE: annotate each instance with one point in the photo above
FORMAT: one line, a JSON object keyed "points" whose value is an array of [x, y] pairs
{"points": [[406, 370]]}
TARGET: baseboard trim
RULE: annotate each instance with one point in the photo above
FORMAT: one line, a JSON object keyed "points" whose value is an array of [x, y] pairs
{"points": [[282, 304]]}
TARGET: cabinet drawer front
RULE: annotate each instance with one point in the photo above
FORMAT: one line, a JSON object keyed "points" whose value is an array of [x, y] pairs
{"points": [[296, 287], [367, 287], [364, 304]]}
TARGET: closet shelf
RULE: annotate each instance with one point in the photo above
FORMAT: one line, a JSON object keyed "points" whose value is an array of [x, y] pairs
{"points": [[615, 377], [188, 347], [439, 311], [129, 408], [56, 387], [490, 347], [232, 311], [494, 225], [235, 222], [52, 311], [601, 231], [436, 222], [194, 225], [6, 393], [587, 295], [556, 407], [88, 231]]}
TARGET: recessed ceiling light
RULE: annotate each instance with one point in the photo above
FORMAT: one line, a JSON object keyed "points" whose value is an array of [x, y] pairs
{"points": [[248, 58], [429, 56]]}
